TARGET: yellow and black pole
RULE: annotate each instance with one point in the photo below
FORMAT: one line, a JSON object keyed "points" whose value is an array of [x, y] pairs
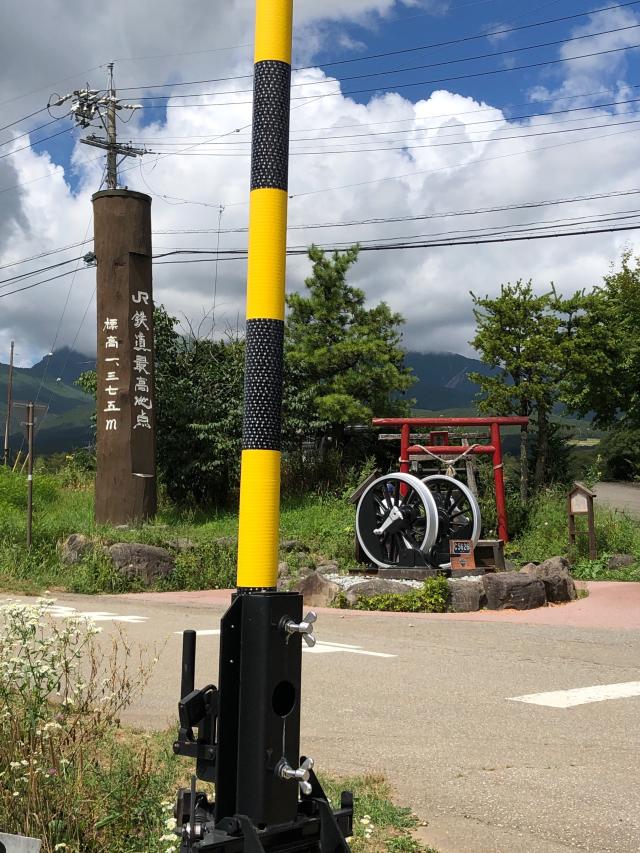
{"points": [[268, 799], [260, 478]]}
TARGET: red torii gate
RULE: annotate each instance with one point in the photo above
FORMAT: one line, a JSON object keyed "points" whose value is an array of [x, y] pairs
{"points": [[494, 449]]}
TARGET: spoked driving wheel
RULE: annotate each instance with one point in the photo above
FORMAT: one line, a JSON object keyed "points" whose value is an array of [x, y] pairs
{"points": [[458, 515], [396, 519]]}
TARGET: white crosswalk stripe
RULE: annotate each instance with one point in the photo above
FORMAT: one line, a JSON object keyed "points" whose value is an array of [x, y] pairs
{"points": [[322, 647], [63, 611], [581, 695]]}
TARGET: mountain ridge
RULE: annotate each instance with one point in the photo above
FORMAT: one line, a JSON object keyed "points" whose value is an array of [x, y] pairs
{"points": [[442, 385]]}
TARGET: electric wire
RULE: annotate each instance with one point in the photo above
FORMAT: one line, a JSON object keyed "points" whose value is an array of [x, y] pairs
{"points": [[394, 87], [367, 57], [438, 128], [5, 281], [36, 142], [390, 71]]}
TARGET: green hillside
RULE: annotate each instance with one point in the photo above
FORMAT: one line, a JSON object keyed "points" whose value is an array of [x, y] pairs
{"points": [[67, 422]]}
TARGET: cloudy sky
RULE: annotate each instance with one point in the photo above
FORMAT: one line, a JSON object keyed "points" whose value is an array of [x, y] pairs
{"points": [[404, 112]]}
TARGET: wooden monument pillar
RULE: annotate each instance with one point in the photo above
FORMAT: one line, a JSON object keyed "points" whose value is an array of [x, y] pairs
{"points": [[125, 474]]}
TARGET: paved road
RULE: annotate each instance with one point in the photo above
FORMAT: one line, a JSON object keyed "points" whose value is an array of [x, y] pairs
{"points": [[622, 496], [426, 701]]}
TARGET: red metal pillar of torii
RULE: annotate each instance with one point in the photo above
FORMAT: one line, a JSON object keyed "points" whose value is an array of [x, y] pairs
{"points": [[494, 449], [125, 472]]}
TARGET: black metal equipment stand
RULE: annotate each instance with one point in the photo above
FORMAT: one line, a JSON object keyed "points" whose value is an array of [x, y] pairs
{"points": [[245, 737]]}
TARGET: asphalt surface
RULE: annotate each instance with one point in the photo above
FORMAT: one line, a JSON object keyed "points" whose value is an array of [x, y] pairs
{"points": [[489, 775], [621, 496]]}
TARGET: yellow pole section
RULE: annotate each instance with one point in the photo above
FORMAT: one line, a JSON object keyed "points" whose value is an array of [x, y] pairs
{"points": [[259, 529]]}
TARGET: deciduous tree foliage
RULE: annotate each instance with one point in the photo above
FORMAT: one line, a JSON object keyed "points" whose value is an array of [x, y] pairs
{"points": [[345, 362], [518, 333], [199, 391], [604, 350]]}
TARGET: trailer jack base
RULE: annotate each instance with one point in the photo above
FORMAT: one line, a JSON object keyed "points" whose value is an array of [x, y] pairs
{"points": [[317, 828]]}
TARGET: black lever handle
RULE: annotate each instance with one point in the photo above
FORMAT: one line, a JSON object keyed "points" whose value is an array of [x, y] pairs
{"points": [[188, 663]]}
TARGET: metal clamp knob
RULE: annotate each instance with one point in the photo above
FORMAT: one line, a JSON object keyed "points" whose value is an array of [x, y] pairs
{"points": [[305, 628], [301, 775]]}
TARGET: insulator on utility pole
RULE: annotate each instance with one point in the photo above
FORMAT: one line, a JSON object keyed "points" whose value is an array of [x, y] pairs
{"points": [[90, 105]]}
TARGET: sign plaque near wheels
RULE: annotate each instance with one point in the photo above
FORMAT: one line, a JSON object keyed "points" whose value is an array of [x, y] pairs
{"points": [[462, 557]]}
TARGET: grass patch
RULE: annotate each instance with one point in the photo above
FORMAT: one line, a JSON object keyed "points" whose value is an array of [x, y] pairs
{"points": [[324, 524], [379, 824], [546, 535], [598, 570]]}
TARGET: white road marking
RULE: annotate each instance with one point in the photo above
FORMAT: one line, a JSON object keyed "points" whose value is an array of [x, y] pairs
{"points": [[581, 695], [320, 648], [62, 611]]}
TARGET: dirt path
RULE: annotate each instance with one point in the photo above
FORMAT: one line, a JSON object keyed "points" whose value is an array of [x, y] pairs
{"points": [[622, 496]]}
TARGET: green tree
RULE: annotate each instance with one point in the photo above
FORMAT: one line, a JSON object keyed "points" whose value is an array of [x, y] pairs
{"points": [[603, 351], [518, 334], [344, 361], [199, 394]]}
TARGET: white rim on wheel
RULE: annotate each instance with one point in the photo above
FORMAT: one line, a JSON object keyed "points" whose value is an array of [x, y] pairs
{"points": [[395, 512], [451, 494]]}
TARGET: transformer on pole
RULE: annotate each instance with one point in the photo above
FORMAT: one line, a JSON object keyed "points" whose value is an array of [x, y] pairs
{"points": [[245, 734]]}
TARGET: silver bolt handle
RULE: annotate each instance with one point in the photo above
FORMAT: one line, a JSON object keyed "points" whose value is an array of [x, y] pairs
{"points": [[301, 775], [305, 628]]}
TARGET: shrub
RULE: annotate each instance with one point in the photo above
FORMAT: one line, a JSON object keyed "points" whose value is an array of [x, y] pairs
{"points": [[431, 597], [546, 533], [67, 777]]}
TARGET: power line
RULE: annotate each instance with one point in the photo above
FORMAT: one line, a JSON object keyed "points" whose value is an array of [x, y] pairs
{"points": [[435, 244], [23, 275], [527, 205], [427, 216], [393, 87], [24, 118], [458, 165], [501, 32], [390, 71], [439, 128], [38, 283], [32, 130], [36, 142], [42, 255], [411, 147]]}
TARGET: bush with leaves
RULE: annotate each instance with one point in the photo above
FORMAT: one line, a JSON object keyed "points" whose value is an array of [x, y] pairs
{"points": [[64, 776], [431, 597]]}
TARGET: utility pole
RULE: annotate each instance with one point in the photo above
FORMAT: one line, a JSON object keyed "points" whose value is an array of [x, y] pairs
{"points": [[95, 105], [125, 468], [30, 425], [7, 425], [112, 161], [267, 798]]}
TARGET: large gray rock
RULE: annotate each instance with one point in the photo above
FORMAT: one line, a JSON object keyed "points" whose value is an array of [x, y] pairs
{"points": [[317, 591], [74, 548], [513, 590], [621, 561], [556, 577], [328, 567], [146, 562], [465, 596], [375, 586]]}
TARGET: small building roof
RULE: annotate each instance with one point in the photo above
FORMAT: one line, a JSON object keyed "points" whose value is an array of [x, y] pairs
{"points": [[580, 487]]}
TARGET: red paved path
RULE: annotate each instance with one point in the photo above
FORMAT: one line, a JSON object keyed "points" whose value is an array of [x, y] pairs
{"points": [[610, 605]]}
